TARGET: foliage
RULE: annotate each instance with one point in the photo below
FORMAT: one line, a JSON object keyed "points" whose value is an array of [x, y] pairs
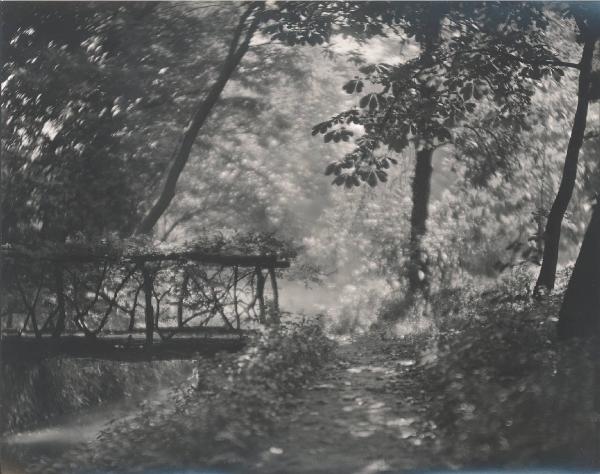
{"points": [[477, 229], [502, 387], [217, 243], [119, 66], [484, 229], [290, 23], [235, 399], [61, 141], [489, 55], [256, 171]]}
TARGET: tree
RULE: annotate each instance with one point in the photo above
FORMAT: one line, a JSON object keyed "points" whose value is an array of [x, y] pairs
{"points": [[99, 153], [588, 23], [238, 47], [579, 315], [290, 22], [490, 216], [256, 173], [64, 164], [138, 88], [487, 54], [428, 25]]}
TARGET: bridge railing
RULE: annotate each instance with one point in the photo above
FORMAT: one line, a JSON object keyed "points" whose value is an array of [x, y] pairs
{"points": [[138, 294]]}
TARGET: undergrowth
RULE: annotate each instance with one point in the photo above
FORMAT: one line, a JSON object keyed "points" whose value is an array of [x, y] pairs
{"points": [[218, 416], [31, 393], [505, 389]]}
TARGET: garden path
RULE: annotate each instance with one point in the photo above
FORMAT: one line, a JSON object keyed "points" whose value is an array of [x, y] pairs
{"points": [[364, 414]]}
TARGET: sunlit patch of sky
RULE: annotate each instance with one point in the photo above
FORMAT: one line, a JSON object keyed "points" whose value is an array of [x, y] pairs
{"points": [[377, 50]]}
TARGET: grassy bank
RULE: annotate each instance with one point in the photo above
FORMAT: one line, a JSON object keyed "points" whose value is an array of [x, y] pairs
{"points": [[32, 393]]}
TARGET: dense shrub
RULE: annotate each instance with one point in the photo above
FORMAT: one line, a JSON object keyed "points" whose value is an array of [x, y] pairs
{"points": [[506, 390], [215, 418]]}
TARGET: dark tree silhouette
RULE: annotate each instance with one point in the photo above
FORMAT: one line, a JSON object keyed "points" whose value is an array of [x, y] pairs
{"points": [[418, 270], [547, 275], [580, 311]]}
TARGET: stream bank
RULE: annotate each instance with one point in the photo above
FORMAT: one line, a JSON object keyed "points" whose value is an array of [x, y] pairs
{"points": [[57, 404], [34, 392]]}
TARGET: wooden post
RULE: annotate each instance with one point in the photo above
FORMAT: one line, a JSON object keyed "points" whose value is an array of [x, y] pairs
{"points": [[60, 301], [235, 299], [260, 294], [275, 316], [133, 307], [149, 312], [156, 309], [34, 323], [182, 295]]}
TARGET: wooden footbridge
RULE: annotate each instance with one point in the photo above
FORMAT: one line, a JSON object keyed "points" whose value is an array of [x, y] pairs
{"points": [[136, 305]]}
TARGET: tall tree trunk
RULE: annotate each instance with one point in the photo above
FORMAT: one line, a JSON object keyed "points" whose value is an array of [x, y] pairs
{"points": [[418, 268], [547, 275], [580, 311], [418, 271], [237, 50]]}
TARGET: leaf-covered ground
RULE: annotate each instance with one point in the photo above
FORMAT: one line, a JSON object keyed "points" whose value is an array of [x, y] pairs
{"points": [[365, 413]]}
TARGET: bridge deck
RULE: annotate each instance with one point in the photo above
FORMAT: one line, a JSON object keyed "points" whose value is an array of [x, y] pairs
{"points": [[132, 348]]}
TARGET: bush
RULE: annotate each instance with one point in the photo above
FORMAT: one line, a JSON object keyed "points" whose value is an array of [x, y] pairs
{"points": [[503, 387]]}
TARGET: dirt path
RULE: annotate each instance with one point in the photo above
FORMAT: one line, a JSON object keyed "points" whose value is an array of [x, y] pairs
{"points": [[364, 414]]}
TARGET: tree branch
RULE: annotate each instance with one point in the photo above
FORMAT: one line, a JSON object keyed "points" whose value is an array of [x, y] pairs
{"points": [[181, 155], [488, 52]]}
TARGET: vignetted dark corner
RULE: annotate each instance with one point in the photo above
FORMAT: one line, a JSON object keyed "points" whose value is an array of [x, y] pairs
{"points": [[299, 237]]}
